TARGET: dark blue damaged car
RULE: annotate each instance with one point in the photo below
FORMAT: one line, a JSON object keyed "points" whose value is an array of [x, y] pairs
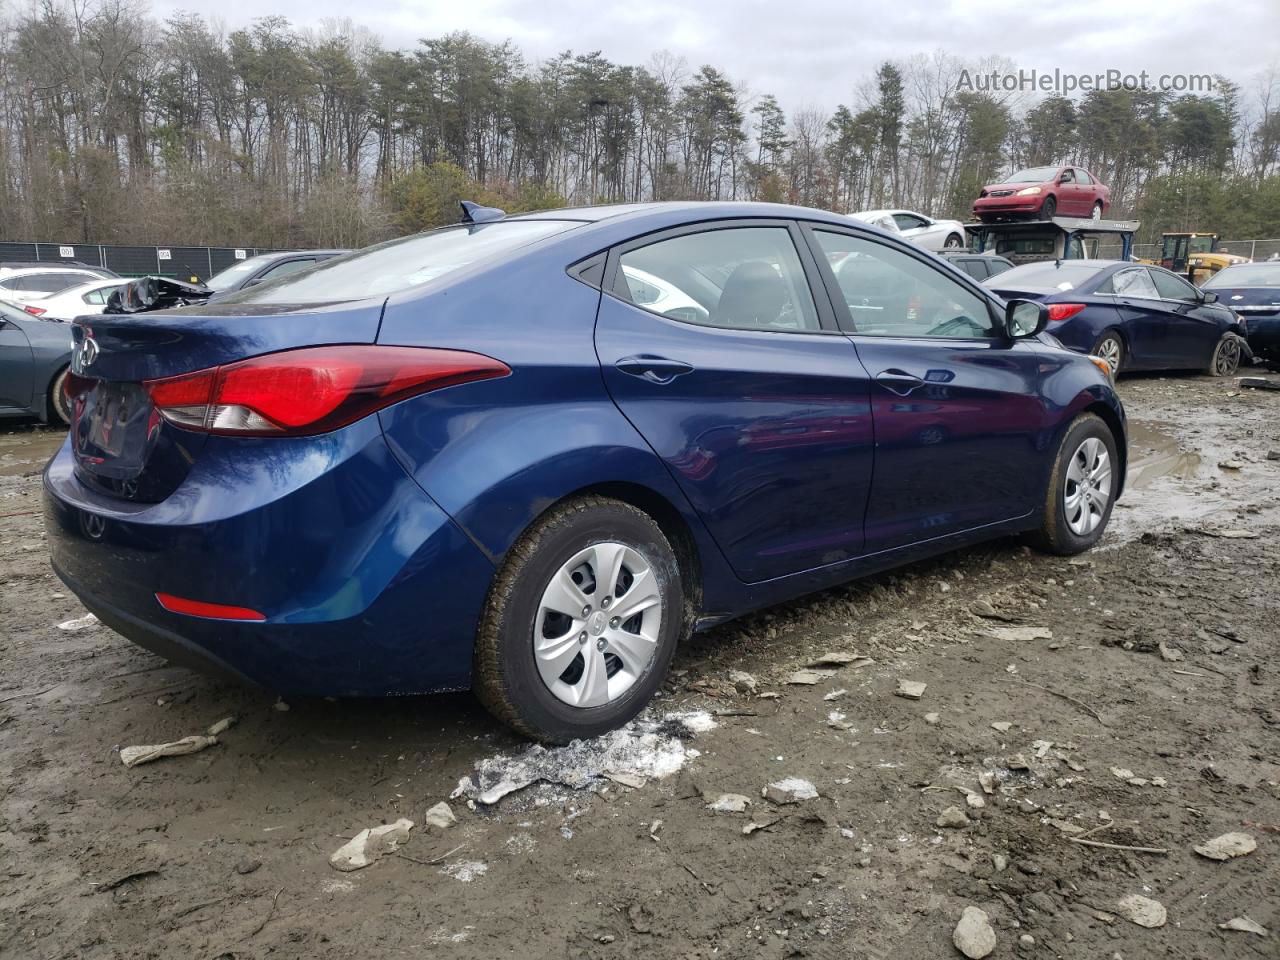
{"points": [[526, 455], [1252, 290]]}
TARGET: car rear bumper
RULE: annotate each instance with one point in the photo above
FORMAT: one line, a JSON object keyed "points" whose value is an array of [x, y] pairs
{"points": [[367, 587]]}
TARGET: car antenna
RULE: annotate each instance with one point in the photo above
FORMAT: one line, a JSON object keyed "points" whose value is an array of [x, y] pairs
{"points": [[475, 213]]}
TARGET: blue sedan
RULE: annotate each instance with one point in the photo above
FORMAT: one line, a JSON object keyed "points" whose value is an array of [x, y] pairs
{"points": [[34, 356], [527, 455], [1252, 290], [1136, 317]]}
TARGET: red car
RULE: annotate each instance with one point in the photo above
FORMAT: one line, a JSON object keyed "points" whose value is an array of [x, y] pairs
{"points": [[1044, 192]]}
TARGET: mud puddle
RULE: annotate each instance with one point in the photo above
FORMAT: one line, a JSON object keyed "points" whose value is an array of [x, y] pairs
{"points": [[27, 451]]}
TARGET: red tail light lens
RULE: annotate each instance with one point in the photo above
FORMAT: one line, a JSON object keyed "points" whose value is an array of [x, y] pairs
{"points": [[35, 311], [313, 390], [1062, 311], [214, 611]]}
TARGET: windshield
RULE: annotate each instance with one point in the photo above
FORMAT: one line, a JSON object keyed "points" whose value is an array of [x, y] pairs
{"points": [[1032, 175], [397, 265], [1246, 275], [230, 277], [1046, 277]]}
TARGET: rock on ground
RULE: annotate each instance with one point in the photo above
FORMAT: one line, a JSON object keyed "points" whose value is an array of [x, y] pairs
{"points": [[973, 935]]}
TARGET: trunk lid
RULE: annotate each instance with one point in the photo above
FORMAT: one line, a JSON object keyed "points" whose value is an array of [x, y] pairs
{"points": [[122, 446]]}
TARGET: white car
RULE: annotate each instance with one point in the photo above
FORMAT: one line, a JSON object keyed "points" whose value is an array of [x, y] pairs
{"points": [[28, 283], [78, 301], [916, 227]]}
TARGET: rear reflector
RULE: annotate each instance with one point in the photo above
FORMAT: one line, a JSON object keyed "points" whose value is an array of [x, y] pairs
{"points": [[312, 390], [213, 611], [1062, 311], [35, 311]]}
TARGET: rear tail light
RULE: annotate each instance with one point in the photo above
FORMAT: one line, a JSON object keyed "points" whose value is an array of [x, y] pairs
{"points": [[35, 311], [1063, 311], [312, 390]]}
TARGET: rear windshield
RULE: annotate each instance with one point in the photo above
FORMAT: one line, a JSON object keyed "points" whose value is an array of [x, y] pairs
{"points": [[396, 265], [1047, 276], [1246, 275]]}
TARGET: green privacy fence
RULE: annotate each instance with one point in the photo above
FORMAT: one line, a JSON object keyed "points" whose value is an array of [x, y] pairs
{"points": [[182, 263]]}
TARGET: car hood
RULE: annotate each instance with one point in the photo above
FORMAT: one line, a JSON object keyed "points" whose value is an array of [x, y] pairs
{"points": [[1247, 296], [1014, 186]]}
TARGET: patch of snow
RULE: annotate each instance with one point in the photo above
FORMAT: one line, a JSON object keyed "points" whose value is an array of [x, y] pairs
{"points": [[465, 870], [650, 747]]}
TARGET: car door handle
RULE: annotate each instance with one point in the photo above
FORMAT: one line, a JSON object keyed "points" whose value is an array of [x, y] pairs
{"points": [[898, 381], [652, 368]]}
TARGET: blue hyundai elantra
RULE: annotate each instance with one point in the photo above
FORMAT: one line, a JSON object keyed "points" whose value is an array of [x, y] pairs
{"points": [[526, 455]]}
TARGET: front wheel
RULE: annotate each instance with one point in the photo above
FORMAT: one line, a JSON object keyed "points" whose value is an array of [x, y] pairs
{"points": [[581, 622], [1048, 208], [1225, 360], [1082, 489]]}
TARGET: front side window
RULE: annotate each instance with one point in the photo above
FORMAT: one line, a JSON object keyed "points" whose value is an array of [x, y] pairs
{"points": [[892, 294], [1068, 176], [289, 266], [1173, 288], [746, 278]]}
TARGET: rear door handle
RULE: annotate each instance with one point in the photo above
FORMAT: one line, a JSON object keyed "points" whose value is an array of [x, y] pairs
{"points": [[653, 368], [898, 381]]}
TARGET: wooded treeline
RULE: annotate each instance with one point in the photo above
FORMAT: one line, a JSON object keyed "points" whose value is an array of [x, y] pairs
{"points": [[115, 127]]}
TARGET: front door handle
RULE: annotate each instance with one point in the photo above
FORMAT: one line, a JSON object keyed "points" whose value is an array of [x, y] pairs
{"points": [[898, 381], [653, 368]]}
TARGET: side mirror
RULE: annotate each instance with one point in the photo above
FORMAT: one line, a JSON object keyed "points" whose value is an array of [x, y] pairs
{"points": [[1208, 296], [1025, 318]]}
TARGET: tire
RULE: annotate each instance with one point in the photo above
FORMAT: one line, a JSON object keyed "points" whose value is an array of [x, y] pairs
{"points": [[537, 701], [1070, 528], [953, 242], [59, 409], [1225, 360], [1048, 208], [1110, 345], [1097, 211]]}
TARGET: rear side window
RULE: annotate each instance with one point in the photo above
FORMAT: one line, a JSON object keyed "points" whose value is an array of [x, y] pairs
{"points": [[401, 264], [747, 278], [1134, 282]]}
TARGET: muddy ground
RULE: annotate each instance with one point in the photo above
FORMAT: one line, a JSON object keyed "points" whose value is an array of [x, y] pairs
{"points": [[1111, 738]]}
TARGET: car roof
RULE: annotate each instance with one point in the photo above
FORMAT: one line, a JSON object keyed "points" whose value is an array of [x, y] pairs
{"points": [[52, 268], [692, 210]]}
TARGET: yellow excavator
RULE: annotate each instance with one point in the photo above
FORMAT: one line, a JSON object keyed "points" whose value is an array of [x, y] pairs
{"points": [[1194, 255]]}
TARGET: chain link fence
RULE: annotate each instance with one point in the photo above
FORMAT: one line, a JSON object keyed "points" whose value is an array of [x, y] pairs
{"points": [[180, 263]]}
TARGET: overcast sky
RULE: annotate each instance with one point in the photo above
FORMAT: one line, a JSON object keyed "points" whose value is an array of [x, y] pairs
{"points": [[814, 52]]}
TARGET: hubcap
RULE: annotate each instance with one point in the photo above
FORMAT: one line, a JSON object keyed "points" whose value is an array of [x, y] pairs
{"points": [[1097, 212], [1109, 350], [1228, 357], [598, 624], [1087, 490]]}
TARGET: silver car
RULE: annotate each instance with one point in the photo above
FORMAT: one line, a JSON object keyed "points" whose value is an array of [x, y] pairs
{"points": [[916, 227]]}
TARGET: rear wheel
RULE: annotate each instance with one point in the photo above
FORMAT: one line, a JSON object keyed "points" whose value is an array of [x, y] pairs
{"points": [[1082, 489], [581, 622], [1226, 357], [59, 403], [1097, 211], [1048, 208], [953, 242], [1111, 349]]}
